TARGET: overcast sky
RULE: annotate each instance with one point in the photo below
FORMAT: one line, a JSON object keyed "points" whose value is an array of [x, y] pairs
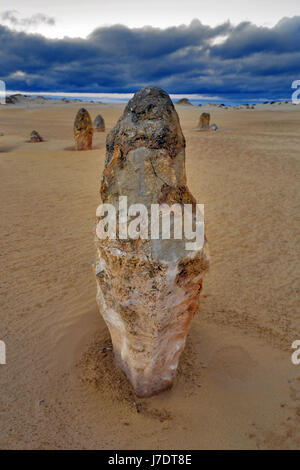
{"points": [[77, 18], [236, 50]]}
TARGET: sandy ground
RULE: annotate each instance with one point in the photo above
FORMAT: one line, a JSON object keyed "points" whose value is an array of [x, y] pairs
{"points": [[236, 387]]}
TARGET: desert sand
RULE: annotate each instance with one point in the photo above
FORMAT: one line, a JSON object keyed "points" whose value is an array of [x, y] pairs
{"points": [[236, 386]]}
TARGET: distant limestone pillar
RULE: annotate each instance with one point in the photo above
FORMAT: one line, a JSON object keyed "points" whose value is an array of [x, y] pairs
{"points": [[99, 124], [83, 130], [204, 122], [147, 288]]}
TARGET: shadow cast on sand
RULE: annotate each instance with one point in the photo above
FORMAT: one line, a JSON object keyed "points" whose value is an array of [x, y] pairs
{"points": [[72, 148], [8, 148]]}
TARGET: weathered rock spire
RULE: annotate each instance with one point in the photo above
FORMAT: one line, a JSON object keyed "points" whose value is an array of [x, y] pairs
{"points": [[148, 289]]}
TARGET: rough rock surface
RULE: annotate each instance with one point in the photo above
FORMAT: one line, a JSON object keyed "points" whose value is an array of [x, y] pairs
{"points": [[204, 122], [99, 124], [147, 290], [83, 130], [35, 137]]}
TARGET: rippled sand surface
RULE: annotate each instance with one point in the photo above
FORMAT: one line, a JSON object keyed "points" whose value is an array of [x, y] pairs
{"points": [[236, 386]]}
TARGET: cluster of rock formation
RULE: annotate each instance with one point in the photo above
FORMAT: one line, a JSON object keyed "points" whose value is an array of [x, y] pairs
{"points": [[147, 289], [83, 130]]}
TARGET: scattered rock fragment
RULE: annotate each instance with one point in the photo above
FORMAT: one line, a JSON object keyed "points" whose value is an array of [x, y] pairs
{"points": [[35, 137]]}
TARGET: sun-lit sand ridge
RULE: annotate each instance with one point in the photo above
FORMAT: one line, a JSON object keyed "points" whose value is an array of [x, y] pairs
{"points": [[237, 387]]}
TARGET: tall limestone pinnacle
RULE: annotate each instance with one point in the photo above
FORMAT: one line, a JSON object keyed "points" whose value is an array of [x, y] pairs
{"points": [[147, 288], [99, 124], [204, 122], [83, 130]]}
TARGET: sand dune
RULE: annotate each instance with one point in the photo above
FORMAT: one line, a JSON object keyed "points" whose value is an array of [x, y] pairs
{"points": [[236, 387]]}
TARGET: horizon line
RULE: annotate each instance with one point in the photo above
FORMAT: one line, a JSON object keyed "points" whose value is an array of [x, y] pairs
{"points": [[128, 96]]}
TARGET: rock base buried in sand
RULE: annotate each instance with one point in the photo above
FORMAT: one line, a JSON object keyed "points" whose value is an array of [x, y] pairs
{"points": [[99, 124], [83, 130], [35, 137], [204, 122], [147, 289]]}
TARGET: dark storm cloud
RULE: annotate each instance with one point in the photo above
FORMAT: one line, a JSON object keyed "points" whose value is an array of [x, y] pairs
{"points": [[252, 62], [247, 39]]}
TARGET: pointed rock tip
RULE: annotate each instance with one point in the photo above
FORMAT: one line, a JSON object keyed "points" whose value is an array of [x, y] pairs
{"points": [[149, 103], [149, 120], [82, 111]]}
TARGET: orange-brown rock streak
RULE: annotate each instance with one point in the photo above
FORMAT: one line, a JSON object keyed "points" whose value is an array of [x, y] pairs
{"points": [[148, 290]]}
